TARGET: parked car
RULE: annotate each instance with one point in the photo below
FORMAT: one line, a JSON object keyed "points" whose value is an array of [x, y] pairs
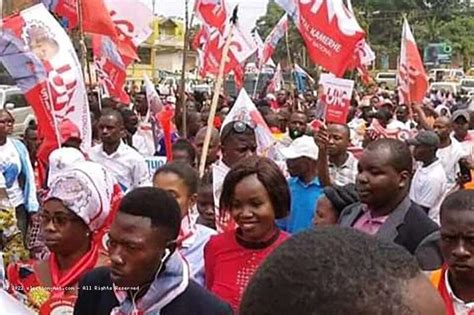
{"points": [[467, 85], [389, 78], [440, 75], [452, 87], [13, 100]]}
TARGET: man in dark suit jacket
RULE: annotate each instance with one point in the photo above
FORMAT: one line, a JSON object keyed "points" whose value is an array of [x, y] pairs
{"points": [[385, 210], [146, 275]]}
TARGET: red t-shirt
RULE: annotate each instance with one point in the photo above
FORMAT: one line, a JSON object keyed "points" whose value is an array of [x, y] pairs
{"points": [[229, 264]]}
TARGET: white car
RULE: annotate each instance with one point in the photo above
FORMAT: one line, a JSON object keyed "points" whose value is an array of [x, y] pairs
{"points": [[452, 87], [13, 100], [389, 78], [467, 85], [438, 75]]}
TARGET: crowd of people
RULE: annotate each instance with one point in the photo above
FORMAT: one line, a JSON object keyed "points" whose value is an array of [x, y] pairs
{"points": [[368, 217]]}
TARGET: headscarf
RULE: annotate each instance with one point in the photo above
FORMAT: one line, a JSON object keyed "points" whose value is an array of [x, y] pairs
{"points": [[87, 190], [61, 159]]}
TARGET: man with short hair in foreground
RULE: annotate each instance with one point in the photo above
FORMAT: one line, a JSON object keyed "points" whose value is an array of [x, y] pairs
{"points": [[340, 271]]}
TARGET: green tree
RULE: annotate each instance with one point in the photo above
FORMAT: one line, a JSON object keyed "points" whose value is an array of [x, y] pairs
{"points": [[459, 32]]}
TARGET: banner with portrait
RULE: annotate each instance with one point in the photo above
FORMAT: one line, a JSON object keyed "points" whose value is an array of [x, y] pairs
{"points": [[61, 94]]}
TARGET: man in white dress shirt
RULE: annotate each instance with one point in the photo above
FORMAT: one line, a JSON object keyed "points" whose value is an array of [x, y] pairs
{"points": [[124, 162]]}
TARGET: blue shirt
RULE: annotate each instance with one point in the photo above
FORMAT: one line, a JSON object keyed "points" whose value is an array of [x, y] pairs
{"points": [[303, 202]]}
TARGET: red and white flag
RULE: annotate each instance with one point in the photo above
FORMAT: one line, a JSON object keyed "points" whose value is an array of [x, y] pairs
{"points": [[241, 48], [276, 84], [110, 68], [43, 36], [245, 110], [64, 8], [212, 13], [39, 55], [363, 56], [411, 73], [273, 38], [201, 37], [133, 23], [330, 31], [96, 19]]}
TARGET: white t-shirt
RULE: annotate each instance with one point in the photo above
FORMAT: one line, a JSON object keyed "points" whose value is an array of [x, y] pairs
{"points": [[10, 167], [396, 124], [449, 158], [143, 140], [429, 187]]}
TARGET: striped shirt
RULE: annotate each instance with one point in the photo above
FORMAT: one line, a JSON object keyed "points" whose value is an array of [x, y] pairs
{"points": [[344, 174]]}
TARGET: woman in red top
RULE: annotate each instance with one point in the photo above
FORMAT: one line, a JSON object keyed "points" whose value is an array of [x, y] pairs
{"points": [[255, 193]]}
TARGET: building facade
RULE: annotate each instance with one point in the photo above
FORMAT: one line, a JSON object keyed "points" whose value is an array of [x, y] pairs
{"points": [[163, 51]]}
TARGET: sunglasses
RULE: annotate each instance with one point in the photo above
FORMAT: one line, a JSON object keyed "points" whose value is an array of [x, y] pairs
{"points": [[238, 127]]}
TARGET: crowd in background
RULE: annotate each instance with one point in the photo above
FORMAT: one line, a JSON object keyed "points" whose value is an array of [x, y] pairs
{"points": [[174, 241]]}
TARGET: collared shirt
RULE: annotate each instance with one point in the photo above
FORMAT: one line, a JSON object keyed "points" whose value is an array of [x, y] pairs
{"points": [[126, 164], [303, 202], [369, 224], [460, 307], [344, 174]]}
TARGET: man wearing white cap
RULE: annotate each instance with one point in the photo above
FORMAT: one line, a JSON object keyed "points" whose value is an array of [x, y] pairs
{"points": [[302, 161]]}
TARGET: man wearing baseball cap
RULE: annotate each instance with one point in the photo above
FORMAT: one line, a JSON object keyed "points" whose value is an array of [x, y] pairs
{"points": [[461, 120], [302, 161], [429, 184]]}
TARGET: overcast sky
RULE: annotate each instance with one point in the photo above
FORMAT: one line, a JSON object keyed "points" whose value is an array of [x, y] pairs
{"points": [[249, 10]]}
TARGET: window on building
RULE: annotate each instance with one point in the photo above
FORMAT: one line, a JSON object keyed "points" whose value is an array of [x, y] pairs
{"points": [[144, 53]]}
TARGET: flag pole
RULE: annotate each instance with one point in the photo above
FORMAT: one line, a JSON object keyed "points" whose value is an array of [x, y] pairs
{"points": [[288, 47], [410, 106], [82, 43], [184, 109], [290, 62], [215, 98], [256, 83]]}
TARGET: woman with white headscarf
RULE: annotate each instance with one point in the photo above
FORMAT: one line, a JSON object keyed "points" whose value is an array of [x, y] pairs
{"points": [[77, 209]]}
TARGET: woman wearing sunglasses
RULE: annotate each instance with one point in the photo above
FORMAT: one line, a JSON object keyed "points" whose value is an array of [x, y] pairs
{"points": [[77, 209], [255, 193]]}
